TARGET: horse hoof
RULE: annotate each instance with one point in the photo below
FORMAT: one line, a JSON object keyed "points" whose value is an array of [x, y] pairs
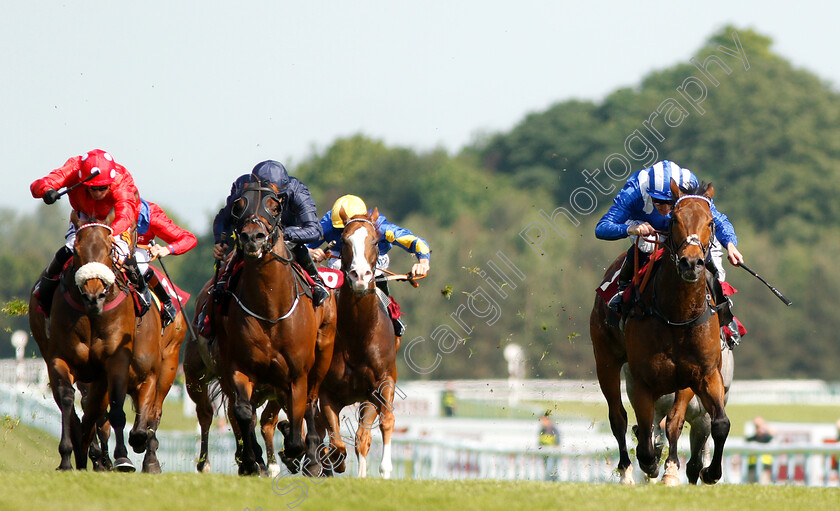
{"points": [[669, 480], [273, 470], [124, 465], [152, 468], [707, 478], [626, 477], [137, 440], [203, 467], [249, 469]]}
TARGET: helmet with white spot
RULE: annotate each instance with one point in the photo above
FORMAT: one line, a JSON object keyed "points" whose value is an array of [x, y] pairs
{"points": [[101, 162]]}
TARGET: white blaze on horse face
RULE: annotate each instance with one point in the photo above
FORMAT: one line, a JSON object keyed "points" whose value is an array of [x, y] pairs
{"points": [[360, 272]]}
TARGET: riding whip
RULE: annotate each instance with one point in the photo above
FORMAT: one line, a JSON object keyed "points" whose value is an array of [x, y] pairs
{"points": [[775, 291], [71, 188], [177, 296]]}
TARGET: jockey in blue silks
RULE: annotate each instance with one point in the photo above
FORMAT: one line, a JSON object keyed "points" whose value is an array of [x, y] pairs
{"points": [[644, 205], [389, 235], [299, 218]]}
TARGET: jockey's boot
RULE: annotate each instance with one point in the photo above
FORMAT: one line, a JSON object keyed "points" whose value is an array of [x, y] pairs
{"points": [[399, 325], [49, 281], [167, 309], [319, 290], [132, 272], [625, 275]]}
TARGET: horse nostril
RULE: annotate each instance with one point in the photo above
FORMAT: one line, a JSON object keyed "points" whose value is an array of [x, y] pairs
{"points": [[260, 236], [102, 295]]}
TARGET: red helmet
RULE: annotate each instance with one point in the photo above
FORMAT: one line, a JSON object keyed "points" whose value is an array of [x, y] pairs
{"points": [[98, 160]]}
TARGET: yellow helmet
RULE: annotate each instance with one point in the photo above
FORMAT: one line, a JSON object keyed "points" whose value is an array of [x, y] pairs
{"points": [[352, 206]]}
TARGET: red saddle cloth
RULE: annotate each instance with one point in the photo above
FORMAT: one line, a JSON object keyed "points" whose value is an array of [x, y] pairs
{"points": [[172, 290], [333, 279]]}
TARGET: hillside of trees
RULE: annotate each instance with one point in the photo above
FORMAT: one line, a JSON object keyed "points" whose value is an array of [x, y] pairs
{"points": [[764, 132]]}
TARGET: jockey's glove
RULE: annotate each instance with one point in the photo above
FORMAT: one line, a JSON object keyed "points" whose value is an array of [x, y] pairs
{"points": [[51, 196]]}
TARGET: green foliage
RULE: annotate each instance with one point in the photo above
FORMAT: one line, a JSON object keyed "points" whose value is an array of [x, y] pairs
{"points": [[769, 139]]}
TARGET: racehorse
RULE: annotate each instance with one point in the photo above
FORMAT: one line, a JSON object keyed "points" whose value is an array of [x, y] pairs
{"points": [[91, 337], [364, 365], [695, 415], [270, 334], [671, 346], [200, 370]]}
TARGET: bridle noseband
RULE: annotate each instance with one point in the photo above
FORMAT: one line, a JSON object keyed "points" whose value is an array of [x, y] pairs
{"points": [[259, 213], [692, 239]]}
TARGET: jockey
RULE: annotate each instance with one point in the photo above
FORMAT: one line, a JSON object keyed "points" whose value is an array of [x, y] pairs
{"points": [[299, 218], [389, 235], [154, 222], [644, 205], [112, 187]]}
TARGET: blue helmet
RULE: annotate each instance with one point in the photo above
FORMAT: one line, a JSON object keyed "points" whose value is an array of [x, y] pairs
{"points": [[658, 179], [273, 172]]}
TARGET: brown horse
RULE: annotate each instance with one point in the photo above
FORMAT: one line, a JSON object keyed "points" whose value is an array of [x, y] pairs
{"points": [[200, 370], [364, 365], [672, 345], [271, 334], [92, 338]]}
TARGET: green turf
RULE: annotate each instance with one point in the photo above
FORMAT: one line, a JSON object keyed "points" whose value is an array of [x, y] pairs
{"points": [[93, 491], [24, 449]]}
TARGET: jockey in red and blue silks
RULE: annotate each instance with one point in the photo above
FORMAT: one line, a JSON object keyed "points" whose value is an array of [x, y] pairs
{"points": [[644, 204], [152, 223], [389, 235], [106, 185], [299, 218]]}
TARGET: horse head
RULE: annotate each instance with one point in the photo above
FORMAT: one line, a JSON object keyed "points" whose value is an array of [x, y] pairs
{"points": [[257, 214], [359, 249], [692, 230], [93, 261]]}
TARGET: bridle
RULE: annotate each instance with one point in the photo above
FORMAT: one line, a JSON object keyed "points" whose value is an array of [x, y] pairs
{"points": [[259, 213], [691, 239]]}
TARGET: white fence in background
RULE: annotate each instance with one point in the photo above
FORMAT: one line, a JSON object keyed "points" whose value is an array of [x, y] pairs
{"points": [[413, 458]]}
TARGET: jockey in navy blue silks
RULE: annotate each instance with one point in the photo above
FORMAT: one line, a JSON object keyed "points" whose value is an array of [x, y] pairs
{"points": [[299, 218], [644, 205]]}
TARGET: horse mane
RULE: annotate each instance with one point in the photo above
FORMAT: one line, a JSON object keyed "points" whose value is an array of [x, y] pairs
{"points": [[700, 189]]}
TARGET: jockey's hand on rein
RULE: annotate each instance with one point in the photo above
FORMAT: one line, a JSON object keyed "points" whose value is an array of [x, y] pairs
{"points": [[51, 196]]}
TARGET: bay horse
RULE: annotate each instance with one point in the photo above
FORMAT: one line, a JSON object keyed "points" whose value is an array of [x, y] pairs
{"points": [[364, 365], [672, 346], [695, 415], [270, 334], [92, 339], [200, 371]]}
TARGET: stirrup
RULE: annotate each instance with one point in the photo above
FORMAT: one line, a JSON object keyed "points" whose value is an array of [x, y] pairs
{"points": [[319, 294], [399, 327], [167, 314], [615, 302]]}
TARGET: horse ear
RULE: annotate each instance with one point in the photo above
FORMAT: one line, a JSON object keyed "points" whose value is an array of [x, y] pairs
{"points": [[109, 219], [375, 215], [676, 193], [710, 191], [74, 219], [342, 215]]}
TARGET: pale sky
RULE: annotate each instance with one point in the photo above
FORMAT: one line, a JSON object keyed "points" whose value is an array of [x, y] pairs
{"points": [[190, 94]]}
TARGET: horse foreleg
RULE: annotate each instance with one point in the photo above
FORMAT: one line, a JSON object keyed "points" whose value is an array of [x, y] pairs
{"points": [[673, 428], [608, 369], [643, 404], [243, 410], [385, 404], [337, 451], [65, 397], [268, 423], [699, 436], [103, 433], [95, 405], [367, 421], [145, 400], [711, 394], [197, 390], [294, 447], [117, 370]]}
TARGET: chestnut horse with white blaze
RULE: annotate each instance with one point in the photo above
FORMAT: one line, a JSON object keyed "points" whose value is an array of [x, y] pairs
{"points": [[270, 334], [671, 346], [364, 365]]}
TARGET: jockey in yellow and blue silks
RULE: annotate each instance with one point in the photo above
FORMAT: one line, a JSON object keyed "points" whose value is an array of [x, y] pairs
{"points": [[644, 205], [389, 235]]}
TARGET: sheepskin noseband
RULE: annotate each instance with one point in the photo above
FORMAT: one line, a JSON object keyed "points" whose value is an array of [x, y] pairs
{"points": [[94, 271]]}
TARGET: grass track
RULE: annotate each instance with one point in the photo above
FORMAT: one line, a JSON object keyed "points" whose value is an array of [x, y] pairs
{"points": [[28, 482], [91, 491]]}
